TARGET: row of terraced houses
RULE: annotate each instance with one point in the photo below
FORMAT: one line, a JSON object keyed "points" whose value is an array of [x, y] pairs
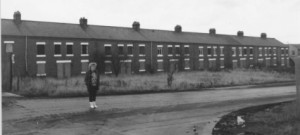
{"points": [[63, 50]]}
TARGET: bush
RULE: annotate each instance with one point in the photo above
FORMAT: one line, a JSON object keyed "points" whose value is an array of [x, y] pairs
{"points": [[148, 83]]}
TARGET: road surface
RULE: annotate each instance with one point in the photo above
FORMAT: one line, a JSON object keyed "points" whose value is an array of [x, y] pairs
{"points": [[181, 113]]}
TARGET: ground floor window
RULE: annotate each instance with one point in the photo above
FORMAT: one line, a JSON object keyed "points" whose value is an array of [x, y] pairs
{"points": [[274, 61], [63, 68], [201, 64], [142, 65], [173, 65], [212, 63], [84, 66], [108, 67], [282, 62], [41, 68], [234, 64], [160, 66], [125, 67], [222, 63], [268, 62], [187, 64], [243, 63], [251, 62]]}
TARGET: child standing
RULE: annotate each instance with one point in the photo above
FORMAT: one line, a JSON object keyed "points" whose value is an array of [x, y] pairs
{"points": [[92, 83]]}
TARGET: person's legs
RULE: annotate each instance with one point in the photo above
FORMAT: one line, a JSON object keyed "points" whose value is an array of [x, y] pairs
{"points": [[94, 97], [90, 97]]}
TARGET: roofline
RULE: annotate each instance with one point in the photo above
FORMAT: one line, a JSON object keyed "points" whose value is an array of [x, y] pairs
{"points": [[188, 32]]}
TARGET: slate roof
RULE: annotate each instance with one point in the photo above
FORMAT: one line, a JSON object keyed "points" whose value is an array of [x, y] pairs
{"points": [[67, 30]]}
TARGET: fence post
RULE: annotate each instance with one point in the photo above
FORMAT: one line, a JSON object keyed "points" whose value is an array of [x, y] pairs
{"points": [[297, 78]]}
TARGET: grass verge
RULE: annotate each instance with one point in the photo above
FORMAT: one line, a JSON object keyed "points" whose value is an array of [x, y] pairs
{"points": [[147, 83]]}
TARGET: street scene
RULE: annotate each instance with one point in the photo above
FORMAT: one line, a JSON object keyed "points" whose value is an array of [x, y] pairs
{"points": [[171, 67]]}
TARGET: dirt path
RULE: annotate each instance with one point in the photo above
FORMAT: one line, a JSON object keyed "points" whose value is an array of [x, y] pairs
{"points": [[163, 113]]}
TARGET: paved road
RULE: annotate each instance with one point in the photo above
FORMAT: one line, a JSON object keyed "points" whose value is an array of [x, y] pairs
{"points": [[148, 114]]}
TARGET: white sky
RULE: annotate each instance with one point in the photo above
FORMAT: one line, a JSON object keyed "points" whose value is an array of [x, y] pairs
{"points": [[278, 18]]}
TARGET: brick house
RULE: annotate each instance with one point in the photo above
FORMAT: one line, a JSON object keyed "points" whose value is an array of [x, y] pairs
{"points": [[63, 50]]}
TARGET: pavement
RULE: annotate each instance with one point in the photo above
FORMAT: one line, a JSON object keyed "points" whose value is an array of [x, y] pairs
{"points": [[145, 114]]}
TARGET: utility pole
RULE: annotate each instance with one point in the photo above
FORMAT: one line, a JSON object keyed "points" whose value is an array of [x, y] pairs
{"points": [[297, 74]]}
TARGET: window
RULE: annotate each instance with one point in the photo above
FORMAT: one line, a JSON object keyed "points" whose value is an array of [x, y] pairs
{"points": [[286, 51], [40, 49], [57, 49], [187, 50], [84, 49], [41, 68], [170, 50], [240, 51], [251, 51], [274, 51], [266, 51], [209, 51], [107, 49], [69, 49], [212, 63], [293, 52], [221, 62], [242, 62], [215, 51], [233, 51], [268, 62], [142, 50], [121, 49], [142, 65], [282, 62], [270, 51], [186, 64], [274, 61], [177, 50], [159, 50], [201, 52], [245, 51], [201, 64], [108, 67], [260, 51], [160, 66], [282, 51], [84, 66], [222, 50], [9, 46], [130, 49]]}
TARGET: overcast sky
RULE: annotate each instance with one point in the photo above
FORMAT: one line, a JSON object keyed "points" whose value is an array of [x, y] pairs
{"points": [[278, 18]]}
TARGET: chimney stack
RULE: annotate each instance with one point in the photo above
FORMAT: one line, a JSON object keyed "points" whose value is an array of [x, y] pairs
{"points": [[178, 28], [83, 22], [240, 33], [136, 26], [212, 31], [263, 35], [17, 17]]}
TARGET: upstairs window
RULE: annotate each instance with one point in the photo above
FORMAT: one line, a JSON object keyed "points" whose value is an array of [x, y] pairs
{"points": [[241, 51], [222, 50], [282, 51], [215, 51], [159, 50], [130, 49], [209, 51], [266, 51], [270, 51], [84, 49], [69, 48], [260, 51], [286, 51], [40, 49], [142, 51], [201, 52], [186, 50], [251, 51], [274, 51], [245, 51], [107, 49], [57, 49], [121, 49], [233, 49]]}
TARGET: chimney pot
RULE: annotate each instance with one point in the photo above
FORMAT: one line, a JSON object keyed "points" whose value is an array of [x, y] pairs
{"points": [[136, 25], [263, 35], [17, 17], [212, 31], [83, 22], [178, 28], [240, 33]]}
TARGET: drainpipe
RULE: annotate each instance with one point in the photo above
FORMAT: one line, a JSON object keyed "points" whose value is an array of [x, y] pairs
{"points": [[26, 54]]}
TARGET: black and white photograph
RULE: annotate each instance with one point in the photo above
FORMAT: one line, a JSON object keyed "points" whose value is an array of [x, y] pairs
{"points": [[150, 67]]}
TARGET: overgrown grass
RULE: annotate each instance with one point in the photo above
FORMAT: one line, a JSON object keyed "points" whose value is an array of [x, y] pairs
{"points": [[148, 83], [283, 120]]}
